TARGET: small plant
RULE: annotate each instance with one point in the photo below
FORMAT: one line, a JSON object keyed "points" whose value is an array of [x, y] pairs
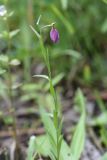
{"points": [[54, 35], [5, 66], [53, 144], [6, 79]]}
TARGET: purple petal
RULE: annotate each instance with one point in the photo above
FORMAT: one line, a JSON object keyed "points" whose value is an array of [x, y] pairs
{"points": [[54, 35]]}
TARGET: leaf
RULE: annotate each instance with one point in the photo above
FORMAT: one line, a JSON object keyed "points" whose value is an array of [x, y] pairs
{"points": [[13, 33], [42, 145], [104, 157], [31, 148], [67, 24], [37, 34], [38, 20], [72, 53], [104, 27], [50, 130], [78, 140], [41, 76], [104, 1], [87, 74], [29, 87], [55, 81], [4, 58], [65, 153], [3, 89], [100, 120], [80, 100], [2, 71], [64, 4], [60, 143], [67, 52], [49, 126], [38, 145], [8, 120], [15, 62]]}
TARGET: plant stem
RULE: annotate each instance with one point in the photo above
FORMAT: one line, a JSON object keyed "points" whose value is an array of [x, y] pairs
{"points": [[12, 110], [53, 93]]}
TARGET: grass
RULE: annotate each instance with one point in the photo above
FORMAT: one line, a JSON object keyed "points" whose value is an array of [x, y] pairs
{"points": [[78, 60]]}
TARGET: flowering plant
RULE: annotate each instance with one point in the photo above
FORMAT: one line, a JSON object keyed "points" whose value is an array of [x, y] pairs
{"points": [[56, 147]]}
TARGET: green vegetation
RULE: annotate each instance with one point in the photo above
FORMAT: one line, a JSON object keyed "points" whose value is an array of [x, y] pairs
{"points": [[31, 65]]}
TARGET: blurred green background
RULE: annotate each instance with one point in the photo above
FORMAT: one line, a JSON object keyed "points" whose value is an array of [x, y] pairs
{"points": [[81, 52], [79, 59]]}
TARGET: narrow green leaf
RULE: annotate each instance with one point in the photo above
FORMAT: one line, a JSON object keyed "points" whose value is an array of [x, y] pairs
{"points": [[55, 80], [42, 145], [37, 34], [64, 4], [50, 130], [100, 120], [41, 76], [38, 20], [59, 143], [52, 91], [65, 153], [78, 140], [14, 33], [80, 100], [31, 148], [67, 24], [49, 126]]}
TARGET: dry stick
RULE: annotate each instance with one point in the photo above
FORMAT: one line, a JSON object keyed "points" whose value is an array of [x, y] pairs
{"points": [[6, 134]]}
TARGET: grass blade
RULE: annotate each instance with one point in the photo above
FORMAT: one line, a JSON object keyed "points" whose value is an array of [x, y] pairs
{"points": [[78, 140]]}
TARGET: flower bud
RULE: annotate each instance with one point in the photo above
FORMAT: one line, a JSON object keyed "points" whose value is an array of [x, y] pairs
{"points": [[54, 35]]}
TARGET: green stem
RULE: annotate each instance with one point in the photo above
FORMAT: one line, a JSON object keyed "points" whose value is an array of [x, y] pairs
{"points": [[12, 111], [52, 91]]}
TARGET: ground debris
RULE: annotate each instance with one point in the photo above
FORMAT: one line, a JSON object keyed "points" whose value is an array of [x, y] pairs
{"points": [[90, 151]]}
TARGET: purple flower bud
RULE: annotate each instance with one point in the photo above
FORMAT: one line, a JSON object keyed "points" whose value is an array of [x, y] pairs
{"points": [[54, 35]]}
